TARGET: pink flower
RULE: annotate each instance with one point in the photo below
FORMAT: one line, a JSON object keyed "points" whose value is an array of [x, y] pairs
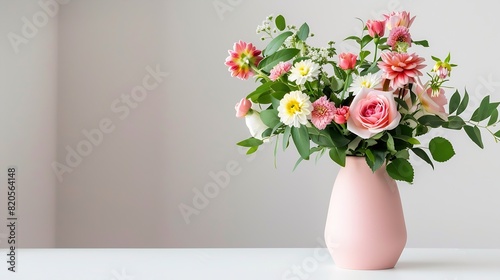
{"points": [[241, 59], [279, 70], [396, 19], [242, 107], [376, 27], [323, 112], [442, 72], [341, 115], [399, 34], [347, 61], [372, 111], [431, 103], [400, 68]]}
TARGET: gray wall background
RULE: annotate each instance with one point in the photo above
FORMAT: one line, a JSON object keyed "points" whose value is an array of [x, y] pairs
{"points": [[80, 72]]}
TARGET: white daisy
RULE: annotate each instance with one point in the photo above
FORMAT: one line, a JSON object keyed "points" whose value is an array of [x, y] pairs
{"points": [[295, 108], [368, 81], [303, 71]]}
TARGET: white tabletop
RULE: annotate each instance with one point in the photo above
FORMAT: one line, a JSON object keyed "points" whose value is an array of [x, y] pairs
{"points": [[241, 264]]}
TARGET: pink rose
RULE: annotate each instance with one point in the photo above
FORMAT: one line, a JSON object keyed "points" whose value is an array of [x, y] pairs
{"points": [[347, 61], [242, 107], [432, 102], [341, 115], [376, 27], [372, 111]]}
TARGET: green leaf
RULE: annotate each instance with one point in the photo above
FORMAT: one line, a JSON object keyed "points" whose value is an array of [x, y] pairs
{"points": [[286, 136], [338, 155], [493, 117], [297, 163], [400, 169], [454, 122], [252, 150], [264, 88], [303, 32], [401, 103], [376, 160], [497, 134], [390, 144], [406, 138], [423, 155], [402, 154], [423, 43], [276, 43], [282, 55], [250, 142], [355, 38], [454, 102], [431, 120], [280, 22], [366, 40], [270, 117], [463, 104], [441, 149], [474, 134], [279, 86], [300, 137], [481, 113], [363, 54]]}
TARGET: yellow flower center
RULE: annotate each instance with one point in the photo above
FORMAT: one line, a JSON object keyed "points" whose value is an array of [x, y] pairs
{"points": [[293, 107], [303, 70], [366, 84]]}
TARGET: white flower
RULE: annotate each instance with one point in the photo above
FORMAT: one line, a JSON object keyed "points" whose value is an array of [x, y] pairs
{"points": [[255, 124], [295, 108], [367, 81], [303, 71]]}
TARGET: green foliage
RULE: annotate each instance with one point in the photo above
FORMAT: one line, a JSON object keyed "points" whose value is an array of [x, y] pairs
{"points": [[441, 149], [401, 170]]}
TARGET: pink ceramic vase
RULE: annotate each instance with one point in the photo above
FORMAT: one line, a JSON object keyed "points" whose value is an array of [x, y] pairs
{"points": [[365, 227]]}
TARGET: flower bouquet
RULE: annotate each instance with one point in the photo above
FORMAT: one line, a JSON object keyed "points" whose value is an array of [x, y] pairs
{"points": [[374, 103]]}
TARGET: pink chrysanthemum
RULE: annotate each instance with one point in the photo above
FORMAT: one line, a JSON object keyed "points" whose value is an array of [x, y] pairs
{"points": [[399, 34], [323, 112], [279, 70], [241, 58], [400, 68]]}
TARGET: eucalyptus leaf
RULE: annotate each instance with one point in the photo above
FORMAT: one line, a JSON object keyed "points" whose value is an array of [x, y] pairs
{"points": [[286, 136], [250, 142], [300, 138], [270, 117], [282, 55], [276, 43], [280, 22], [303, 32]]}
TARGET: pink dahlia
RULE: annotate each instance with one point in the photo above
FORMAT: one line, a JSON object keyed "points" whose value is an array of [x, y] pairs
{"points": [[241, 59], [323, 112], [400, 68], [279, 70], [399, 34]]}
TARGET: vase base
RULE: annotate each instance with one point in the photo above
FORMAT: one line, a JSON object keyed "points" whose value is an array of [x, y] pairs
{"points": [[363, 268]]}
